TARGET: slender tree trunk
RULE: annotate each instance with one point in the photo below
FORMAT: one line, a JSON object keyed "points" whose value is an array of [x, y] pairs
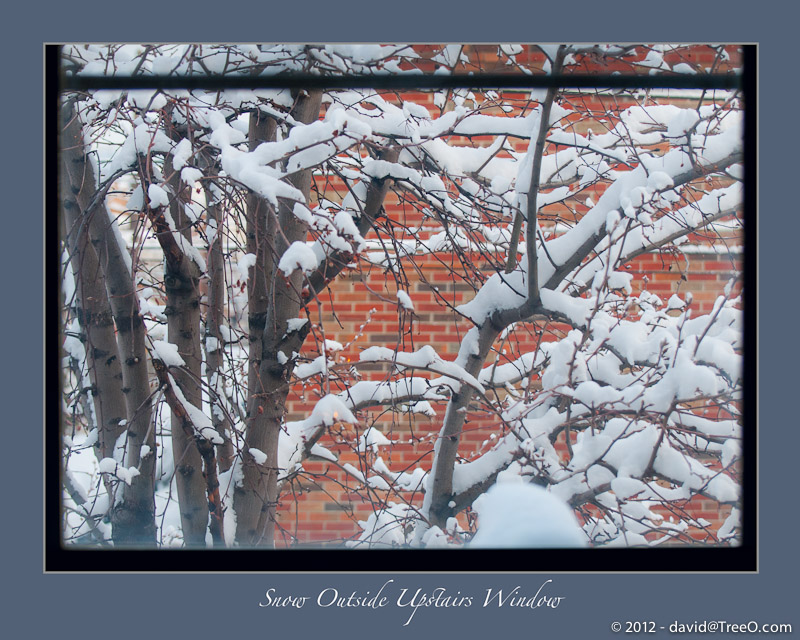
{"points": [[256, 499], [215, 316], [133, 513], [439, 494], [261, 232], [182, 285], [93, 312]]}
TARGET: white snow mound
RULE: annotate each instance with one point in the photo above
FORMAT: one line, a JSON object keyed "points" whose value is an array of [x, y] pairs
{"points": [[522, 515]]}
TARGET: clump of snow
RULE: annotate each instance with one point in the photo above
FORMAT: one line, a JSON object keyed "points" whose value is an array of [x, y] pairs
{"points": [[112, 467], [322, 452], [181, 154], [435, 538], [521, 515], [625, 488], [243, 266], [158, 196], [168, 353], [298, 256], [295, 324], [190, 175], [405, 301], [402, 480], [318, 365], [385, 528], [258, 455], [330, 410], [295, 436], [682, 67], [728, 528], [675, 303], [372, 438], [212, 344]]}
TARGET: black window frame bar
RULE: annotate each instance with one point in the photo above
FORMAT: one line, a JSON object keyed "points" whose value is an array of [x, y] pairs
{"points": [[59, 557], [403, 82]]}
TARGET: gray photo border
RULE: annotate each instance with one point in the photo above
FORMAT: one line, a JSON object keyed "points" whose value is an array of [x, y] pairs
{"points": [[129, 605]]}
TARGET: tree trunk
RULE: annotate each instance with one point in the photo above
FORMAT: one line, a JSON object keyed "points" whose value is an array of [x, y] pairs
{"points": [[439, 493], [182, 285], [215, 316], [261, 232], [133, 513], [256, 499], [93, 312]]}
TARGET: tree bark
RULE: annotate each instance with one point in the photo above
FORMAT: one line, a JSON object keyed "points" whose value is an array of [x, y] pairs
{"points": [[133, 513], [215, 316], [93, 309], [261, 232], [255, 500], [439, 493], [182, 285], [181, 418]]}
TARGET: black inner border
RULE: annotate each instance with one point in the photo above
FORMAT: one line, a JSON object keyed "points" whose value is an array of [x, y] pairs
{"points": [[400, 82], [61, 558]]}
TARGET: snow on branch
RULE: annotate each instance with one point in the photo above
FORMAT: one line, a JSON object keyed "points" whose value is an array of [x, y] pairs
{"points": [[298, 438], [425, 358], [411, 389]]}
